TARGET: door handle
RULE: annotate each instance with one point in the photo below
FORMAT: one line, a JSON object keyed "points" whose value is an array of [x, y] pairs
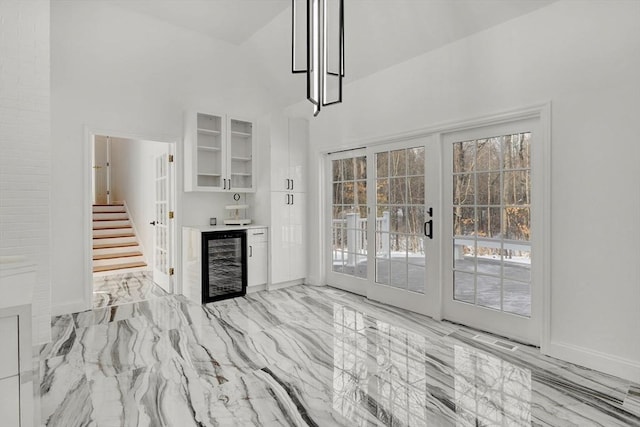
{"points": [[288, 199], [292, 199], [152, 223], [429, 233], [291, 184], [224, 180], [250, 251], [429, 223], [288, 184]]}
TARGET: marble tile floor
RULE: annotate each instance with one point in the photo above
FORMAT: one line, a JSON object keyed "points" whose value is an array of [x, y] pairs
{"points": [[306, 356], [123, 288]]}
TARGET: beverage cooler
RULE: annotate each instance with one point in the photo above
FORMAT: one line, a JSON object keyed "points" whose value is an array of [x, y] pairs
{"points": [[224, 265]]}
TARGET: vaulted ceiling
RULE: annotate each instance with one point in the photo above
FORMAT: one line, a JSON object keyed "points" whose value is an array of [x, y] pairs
{"points": [[378, 33]]}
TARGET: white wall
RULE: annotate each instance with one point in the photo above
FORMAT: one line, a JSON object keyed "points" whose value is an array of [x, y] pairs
{"points": [[133, 180], [584, 57], [26, 146], [120, 73]]}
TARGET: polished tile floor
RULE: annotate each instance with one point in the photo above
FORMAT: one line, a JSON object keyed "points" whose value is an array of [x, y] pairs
{"points": [[303, 356]]}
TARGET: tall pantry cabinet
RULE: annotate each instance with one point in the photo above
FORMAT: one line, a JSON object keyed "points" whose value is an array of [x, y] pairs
{"points": [[289, 141]]}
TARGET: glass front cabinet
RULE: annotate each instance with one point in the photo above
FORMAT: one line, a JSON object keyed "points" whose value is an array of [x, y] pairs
{"points": [[219, 153]]}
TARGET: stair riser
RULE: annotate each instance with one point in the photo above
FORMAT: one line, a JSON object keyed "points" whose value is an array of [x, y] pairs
{"points": [[114, 240], [102, 209], [110, 216], [122, 250], [112, 232], [116, 261], [110, 224]]}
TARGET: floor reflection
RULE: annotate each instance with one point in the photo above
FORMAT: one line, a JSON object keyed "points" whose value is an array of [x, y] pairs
{"points": [[388, 373], [490, 391]]}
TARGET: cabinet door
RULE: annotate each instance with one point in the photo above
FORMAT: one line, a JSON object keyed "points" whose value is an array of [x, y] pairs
{"points": [[10, 401], [298, 143], [9, 350], [257, 263], [297, 239], [205, 151], [280, 154], [240, 156], [280, 241]]}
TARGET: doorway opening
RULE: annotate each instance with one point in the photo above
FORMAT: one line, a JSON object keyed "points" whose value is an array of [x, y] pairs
{"points": [[132, 211]]}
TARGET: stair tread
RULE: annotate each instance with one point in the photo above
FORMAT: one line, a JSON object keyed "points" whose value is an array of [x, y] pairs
{"points": [[119, 266], [114, 236], [114, 245], [117, 255], [113, 227]]}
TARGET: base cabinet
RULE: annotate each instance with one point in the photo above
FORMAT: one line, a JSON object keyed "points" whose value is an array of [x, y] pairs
{"points": [[288, 262], [10, 401], [15, 361], [257, 258]]}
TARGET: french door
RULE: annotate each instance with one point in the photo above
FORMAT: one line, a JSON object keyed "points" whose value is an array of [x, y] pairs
{"points": [[383, 229], [448, 225], [492, 220], [162, 257]]}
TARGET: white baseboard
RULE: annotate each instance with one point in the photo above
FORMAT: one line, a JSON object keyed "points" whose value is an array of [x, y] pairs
{"points": [[256, 288], [592, 359], [276, 286], [68, 308]]}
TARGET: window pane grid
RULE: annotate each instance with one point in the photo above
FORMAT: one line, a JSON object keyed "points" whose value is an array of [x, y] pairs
{"points": [[491, 218], [349, 215]]}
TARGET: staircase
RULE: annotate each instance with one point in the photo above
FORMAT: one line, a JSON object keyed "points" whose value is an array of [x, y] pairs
{"points": [[115, 246]]}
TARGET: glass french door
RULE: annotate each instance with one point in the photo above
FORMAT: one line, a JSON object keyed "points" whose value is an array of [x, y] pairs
{"points": [[491, 221], [383, 225], [404, 248], [348, 214]]}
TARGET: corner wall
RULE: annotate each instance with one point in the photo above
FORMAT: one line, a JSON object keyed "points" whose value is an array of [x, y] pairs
{"points": [[583, 57], [25, 170]]}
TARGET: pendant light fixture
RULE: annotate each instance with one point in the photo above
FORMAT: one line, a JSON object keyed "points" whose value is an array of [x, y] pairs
{"points": [[323, 21]]}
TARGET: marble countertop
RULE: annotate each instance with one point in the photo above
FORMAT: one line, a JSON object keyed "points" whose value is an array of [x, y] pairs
{"points": [[206, 228]]}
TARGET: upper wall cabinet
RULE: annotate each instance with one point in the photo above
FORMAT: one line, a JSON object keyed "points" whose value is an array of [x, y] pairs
{"points": [[289, 139], [219, 153]]}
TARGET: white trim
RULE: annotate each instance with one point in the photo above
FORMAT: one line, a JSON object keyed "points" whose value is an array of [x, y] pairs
{"points": [[89, 135], [592, 359]]}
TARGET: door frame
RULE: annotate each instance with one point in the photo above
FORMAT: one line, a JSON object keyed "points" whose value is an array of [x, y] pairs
{"points": [[176, 201], [540, 111]]}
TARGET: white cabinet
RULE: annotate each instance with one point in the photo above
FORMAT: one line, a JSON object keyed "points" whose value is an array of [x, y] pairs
{"points": [[257, 257], [288, 249], [218, 153], [10, 401], [15, 361], [289, 141], [9, 362]]}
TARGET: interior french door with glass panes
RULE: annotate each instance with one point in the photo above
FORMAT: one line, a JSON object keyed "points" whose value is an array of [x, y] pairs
{"points": [[491, 223], [404, 249]]}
